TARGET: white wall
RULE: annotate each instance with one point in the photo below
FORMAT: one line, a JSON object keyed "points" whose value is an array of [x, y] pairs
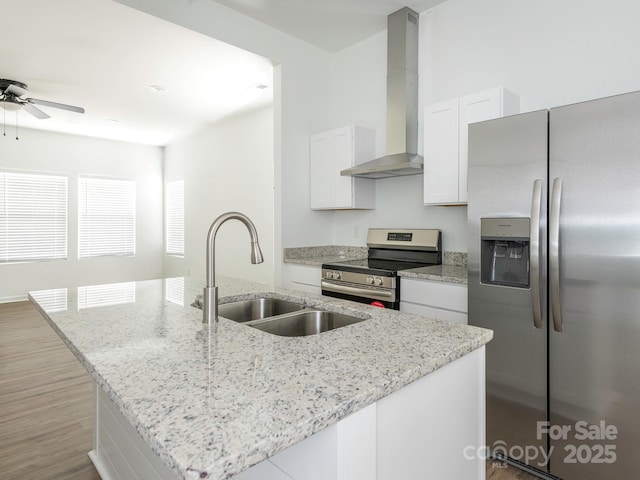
{"points": [[228, 166], [301, 86], [358, 95], [550, 53], [74, 155], [399, 204]]}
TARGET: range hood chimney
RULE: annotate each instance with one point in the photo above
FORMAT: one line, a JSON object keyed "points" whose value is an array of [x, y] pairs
{"points": [[402, 102]]}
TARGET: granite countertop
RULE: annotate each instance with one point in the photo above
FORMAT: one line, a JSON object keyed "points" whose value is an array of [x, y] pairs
{"points": [[316, 256], [453, 269], [211, 401], [438, 273], [318, 261]]}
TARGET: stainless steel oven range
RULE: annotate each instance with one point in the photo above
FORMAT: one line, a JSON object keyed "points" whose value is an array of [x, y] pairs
{"points": [[374, 280]]}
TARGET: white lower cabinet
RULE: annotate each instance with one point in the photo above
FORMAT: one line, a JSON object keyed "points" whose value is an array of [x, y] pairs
{"points": [[343, 451], [432, 428], [302, 277], [439, 300], [263, 471], [119, 451]]}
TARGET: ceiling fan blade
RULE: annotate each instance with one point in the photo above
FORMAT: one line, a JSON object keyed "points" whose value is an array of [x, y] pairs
{"points": [[62, 106], [36, 112], [15, 90]]}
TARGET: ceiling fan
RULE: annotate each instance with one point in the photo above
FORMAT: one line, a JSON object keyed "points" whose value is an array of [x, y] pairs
{"points": [[12, 95]]}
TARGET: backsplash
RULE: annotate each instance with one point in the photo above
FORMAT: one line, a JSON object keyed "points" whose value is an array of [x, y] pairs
{"points": [[458, 259], [325, 251]]}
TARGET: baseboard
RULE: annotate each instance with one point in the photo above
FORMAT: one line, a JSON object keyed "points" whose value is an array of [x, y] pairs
{"points": [[102, 470], [17, 298]]}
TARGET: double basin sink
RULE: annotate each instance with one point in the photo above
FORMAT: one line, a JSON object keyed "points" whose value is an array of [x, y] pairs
{"points": [[283, 317]]}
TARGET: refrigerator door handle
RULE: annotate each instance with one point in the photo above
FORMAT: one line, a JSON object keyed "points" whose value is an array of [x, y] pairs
{"points": [[554, 254], [534, 252]]}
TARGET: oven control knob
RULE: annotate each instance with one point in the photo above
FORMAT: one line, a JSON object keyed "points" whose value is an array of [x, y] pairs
{"points": [[328, 274], [337, 275], [377, 281], [369, 280]]}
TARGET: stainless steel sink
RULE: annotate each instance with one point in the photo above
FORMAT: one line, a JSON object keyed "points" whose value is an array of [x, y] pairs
{"points": [[257, 308], [284, 317], [307, 322]]}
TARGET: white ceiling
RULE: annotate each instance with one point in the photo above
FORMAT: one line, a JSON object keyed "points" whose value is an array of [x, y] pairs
{"points": [[329, 24], [104, 56]]}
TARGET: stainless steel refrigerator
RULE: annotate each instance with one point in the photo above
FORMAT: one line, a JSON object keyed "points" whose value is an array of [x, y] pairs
{"points": [[554, 270]]}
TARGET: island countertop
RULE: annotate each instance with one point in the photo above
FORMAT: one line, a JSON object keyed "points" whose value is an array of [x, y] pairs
{"points": [[211, 401]]}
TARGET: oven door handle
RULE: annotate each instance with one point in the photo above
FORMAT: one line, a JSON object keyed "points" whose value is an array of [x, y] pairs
{"points": [[386, 295]]}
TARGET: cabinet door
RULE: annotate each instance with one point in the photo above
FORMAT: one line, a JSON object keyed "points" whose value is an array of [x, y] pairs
{"points": [[441, 130], [321, 172], [264, 470], [334, 151], [476, 107], [331, 152], [446, 141], [452, 317], [418, 309], [341, 153], [304, 278], [441, 295]]}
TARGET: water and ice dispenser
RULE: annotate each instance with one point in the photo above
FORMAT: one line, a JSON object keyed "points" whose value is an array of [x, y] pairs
{"points": [[504, 251]]}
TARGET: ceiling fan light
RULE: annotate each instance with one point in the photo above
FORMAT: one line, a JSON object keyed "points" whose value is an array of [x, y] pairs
{"points": [[10, 106]]}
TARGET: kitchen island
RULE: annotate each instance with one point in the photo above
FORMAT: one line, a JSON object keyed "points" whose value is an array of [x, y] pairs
{"points": [[187, 400]]}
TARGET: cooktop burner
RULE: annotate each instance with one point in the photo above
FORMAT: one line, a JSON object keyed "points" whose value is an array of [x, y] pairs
{"points": [[392, 250], [368, 264]]}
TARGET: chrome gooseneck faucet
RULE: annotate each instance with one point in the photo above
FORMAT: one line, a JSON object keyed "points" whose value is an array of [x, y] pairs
{"points": [[210, 294]]}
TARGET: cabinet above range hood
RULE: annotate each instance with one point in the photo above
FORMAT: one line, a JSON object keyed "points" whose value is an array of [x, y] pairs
{"points": [[402, 102]]}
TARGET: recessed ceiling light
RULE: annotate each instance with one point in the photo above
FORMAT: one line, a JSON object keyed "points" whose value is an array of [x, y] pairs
{"points": [[256, 88], [157, 88]]}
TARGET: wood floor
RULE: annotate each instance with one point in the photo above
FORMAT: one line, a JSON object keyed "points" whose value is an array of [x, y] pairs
{"points": [[501, 471], [46, 405], [46, 402]]}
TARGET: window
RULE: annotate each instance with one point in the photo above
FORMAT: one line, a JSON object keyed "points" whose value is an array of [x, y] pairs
{"points": [[52, 300], [174, 209], [174, 290], [106, 217], [103, 295], [33, 217]]}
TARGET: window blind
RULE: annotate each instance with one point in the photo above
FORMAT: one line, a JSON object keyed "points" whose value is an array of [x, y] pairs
{"points": [[103, 295], [106, 217], [33, 217], [174, 290], [174, 209], [52, 300]]}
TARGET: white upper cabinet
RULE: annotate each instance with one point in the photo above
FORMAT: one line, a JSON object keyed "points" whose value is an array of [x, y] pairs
{"points": [[446, 140], [334, 151], [441, 152]]}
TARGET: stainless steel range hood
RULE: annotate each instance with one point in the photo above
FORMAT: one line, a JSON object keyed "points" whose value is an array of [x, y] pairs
{"points": [[402, 102]]}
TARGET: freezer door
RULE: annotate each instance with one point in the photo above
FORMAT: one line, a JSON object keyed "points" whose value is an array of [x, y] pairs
{"points": [[595, 360], [506, 157]]}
